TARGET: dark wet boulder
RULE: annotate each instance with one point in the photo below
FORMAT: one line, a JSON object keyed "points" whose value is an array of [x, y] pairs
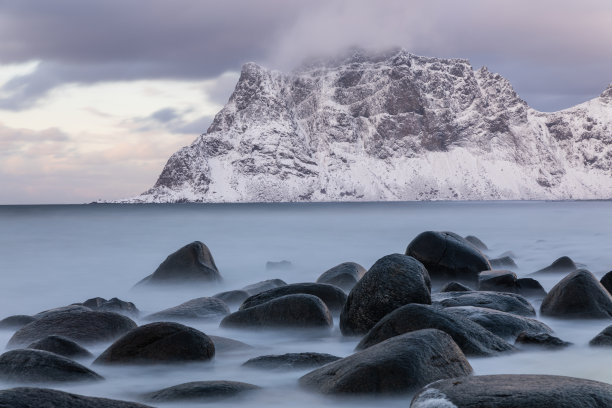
{"points": [[397, 365], [204, 391], [278, 265], [578, 295], [603, 338], [233, 297], [83, 327], [60, 345], [290, 311], [37, 366], [203, 308], [455, 287], [290, 361], [448, 257], [25, 397], [193, 263], [15, 322], [513, 391], [344, 276], [506, 302], [472, 338], [544, 340], [504, 262], [393, 281], [560, 265], [112, 305], [530, 287], [62, 310], [225, 344], [262, 286], [158, 343], [606, 282], [505, 325], [333, 296], [498, 281], [477, 242]]}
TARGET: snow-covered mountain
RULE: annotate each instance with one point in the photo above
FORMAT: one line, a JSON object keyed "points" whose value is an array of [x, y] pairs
{"points": [[391, 126]]}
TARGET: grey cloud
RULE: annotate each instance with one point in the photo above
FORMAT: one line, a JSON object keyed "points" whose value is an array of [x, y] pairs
{"points": [[172, 121], [544, 48], [165, 115]]}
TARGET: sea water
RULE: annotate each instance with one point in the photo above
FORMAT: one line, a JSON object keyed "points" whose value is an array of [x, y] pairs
{"points": [[52, 256]]}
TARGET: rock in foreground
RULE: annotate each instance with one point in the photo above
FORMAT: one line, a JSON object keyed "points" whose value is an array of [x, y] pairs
{"points": [[25, 397], [448, 257], [393, 281], [514, 391], [472, 338], [192, 263], [205, 391], [203, 308], [84, 327], [37, 366], [604, 338], [333, 296], [397, 365], [60, 345], [290, 311], [290, 361], [578, 295], [344, 276], [159, 343]]}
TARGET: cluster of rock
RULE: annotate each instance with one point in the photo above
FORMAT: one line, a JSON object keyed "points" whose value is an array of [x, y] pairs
{"points": [[412, 339]]}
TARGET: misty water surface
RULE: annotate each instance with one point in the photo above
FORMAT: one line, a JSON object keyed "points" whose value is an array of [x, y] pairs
{"points": [[52, 256]]}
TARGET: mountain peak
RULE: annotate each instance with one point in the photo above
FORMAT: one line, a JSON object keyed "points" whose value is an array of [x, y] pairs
{"points": [[607, 93], [389, 126]]}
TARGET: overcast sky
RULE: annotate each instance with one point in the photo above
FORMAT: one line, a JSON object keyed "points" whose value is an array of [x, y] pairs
{"points": [[95, 96]]}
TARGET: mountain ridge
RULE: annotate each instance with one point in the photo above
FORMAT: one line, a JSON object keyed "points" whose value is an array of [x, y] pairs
{"points": [[389, 127]]}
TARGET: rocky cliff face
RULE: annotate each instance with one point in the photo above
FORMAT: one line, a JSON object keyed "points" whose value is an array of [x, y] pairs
{"points": [[391, 126]]}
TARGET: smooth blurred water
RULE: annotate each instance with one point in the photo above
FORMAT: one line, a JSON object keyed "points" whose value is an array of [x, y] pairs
{"points": [[51, 256]]}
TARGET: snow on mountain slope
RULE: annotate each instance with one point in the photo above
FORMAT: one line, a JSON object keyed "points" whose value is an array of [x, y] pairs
{"points": [[391, 126]]}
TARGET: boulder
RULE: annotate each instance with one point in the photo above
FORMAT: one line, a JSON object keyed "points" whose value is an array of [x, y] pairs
{"points": [[62, 310], [530, 287], [203, 308], [578, 295], [472, 338], [541, 340], [24, 397], [193, 263], [37, 366], [606, 282], [455, 287], [290, 361], [397, 365], [560, 265], [503, 262], [290, 311], [83, 327], [60, 345], [233, 297], [476, 242], [15, 322], [112, 305], [333, 296], [344, 276], [448, 257], [224, 344], [604, 338], [506, 302], [498, 281], [393, 281], [156, 343], [504, 325], [204, 391], [262, 286], [515, 390]]}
